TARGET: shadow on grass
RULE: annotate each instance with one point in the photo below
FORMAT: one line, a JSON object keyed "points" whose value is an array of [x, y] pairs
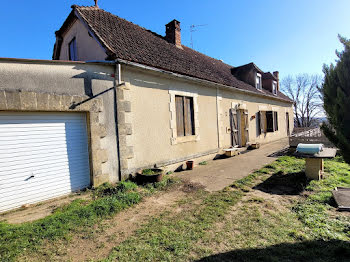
{"points": [[302, 251], [284, 184]]}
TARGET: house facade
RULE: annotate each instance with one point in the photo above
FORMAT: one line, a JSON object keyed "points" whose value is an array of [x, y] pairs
{"points": [[117, 98]]}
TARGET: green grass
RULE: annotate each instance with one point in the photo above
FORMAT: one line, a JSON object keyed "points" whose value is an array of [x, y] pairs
{"points": [[169, 238], [79, 214], [259, 230], [203, 163]]}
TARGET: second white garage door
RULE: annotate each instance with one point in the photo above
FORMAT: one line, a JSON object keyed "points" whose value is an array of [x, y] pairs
{"points": [[42, 156]]}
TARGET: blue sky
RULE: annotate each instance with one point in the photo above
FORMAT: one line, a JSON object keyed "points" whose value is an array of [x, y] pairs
{"points": [[289, 36]]}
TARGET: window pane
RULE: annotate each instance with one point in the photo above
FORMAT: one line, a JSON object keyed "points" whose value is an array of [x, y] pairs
{"points": [[189, 116], [73, 50]]}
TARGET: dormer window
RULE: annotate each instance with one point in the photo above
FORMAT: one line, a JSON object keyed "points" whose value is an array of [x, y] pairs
{"points": [[274, 87], [73, 50], [258, 81]]}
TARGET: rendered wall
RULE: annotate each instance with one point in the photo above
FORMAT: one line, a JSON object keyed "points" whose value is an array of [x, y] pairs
{"points": [[88, 48], [149, 117], [253, 104], [59, 85]]}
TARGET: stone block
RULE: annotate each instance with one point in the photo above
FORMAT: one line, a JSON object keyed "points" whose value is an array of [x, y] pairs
{"points": [[124, 106], [100, 155], [120, 94], [28, 100], [127, 152], [124, 164], [100, 179], [94, 118], [66, 102], [3, 105], [42, 101], [13, 101], [125, 129], [55, 102]]}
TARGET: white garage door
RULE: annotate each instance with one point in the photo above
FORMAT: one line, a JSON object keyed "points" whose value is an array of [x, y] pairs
{"points": [[42, 156]]}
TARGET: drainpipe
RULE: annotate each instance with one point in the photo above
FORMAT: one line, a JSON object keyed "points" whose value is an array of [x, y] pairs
{"points": [[117, 82], [217, 115]]}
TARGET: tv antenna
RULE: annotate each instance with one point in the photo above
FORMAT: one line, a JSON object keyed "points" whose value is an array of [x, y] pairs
{"points": [[193, 28]]}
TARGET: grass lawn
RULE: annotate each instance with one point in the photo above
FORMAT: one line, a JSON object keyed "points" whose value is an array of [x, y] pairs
{"points": [[274, 214], [16, 240]]}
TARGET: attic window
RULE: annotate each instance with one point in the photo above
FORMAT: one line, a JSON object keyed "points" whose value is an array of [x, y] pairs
{"points": [[258, 81], [73, 50], [274, 87]]}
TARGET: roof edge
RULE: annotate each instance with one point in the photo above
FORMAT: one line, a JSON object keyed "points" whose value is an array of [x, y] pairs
{"points": [[191, 78]]}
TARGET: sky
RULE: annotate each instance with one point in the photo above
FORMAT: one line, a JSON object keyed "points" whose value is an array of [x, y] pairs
{"points": [[290, 36]]}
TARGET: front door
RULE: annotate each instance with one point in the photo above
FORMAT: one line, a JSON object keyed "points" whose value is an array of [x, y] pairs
{"points": [[239, 127]]}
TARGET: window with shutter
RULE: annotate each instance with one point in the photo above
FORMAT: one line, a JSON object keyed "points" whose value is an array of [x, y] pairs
{"points": [[184, 116]]}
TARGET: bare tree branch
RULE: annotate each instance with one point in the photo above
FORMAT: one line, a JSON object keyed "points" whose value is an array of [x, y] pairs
{"points": [[305, 92]]}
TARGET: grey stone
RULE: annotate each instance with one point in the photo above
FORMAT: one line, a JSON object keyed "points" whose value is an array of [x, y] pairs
{"points": [[13, 101]]}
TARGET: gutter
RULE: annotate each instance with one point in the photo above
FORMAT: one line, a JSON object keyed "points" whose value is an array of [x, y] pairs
{"points": [[190, 78]]}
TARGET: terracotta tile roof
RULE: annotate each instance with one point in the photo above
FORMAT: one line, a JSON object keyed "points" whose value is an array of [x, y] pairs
{"points": [[125, 40]]}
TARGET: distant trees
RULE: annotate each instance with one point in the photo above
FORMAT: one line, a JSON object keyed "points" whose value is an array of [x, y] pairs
{"points": [[303, 89], [336, 97]]}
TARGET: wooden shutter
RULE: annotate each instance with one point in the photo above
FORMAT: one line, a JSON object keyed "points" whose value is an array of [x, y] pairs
{"points": [[246, 125], [188, 116], [180, 115], [259, 128], [269, 121], [287, 123], [234, 127], [275, 116]]}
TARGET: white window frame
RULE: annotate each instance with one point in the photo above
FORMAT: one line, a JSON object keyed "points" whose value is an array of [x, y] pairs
{"points": [[274, 87], [258, 81]]}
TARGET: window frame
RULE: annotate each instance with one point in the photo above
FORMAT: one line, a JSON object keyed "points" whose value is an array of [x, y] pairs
{"points": [[173, 121], [258, 81], [185, 118], [274, 87], [74, 56]]}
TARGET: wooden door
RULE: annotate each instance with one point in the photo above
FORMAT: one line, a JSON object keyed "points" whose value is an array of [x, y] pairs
{"points": [[234, 127]]}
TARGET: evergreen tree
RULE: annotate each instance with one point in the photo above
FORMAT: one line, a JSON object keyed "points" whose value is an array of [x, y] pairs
{"points": [[336, 97]]}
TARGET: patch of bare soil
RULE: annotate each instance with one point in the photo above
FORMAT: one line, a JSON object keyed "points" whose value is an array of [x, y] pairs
{"points": [[38, 211], [106, 235]]}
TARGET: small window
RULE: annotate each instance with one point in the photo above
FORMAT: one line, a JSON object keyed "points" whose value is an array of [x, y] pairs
{"points": [[184, 116], [73, 50], [258, 81], [274, 87]]}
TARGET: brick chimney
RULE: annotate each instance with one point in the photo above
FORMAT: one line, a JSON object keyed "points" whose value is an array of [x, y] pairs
{"points": [[276, 74], [173, 33]]}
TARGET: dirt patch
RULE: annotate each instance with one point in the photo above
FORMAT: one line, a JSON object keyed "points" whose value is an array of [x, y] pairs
{"points": [[99, 241], [38, 211], [189, 186]]}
